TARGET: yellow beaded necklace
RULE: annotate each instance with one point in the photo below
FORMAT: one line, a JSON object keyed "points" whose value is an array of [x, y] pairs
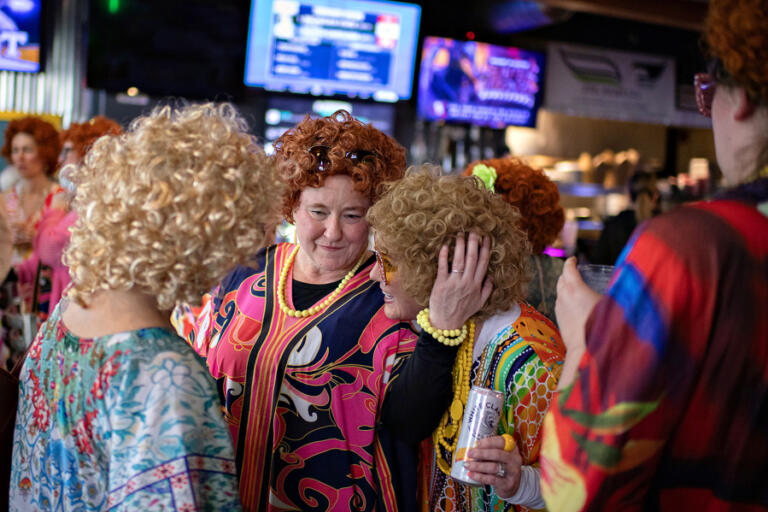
{"points": [[317, 307], [447, 432]]}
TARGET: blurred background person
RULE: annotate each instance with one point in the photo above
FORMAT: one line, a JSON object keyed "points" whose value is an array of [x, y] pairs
{"points": [[115, 410], [53, 229], [32, 146], [644, 204], [669, 407], [541, 218], [498, 341], [299, 341]]}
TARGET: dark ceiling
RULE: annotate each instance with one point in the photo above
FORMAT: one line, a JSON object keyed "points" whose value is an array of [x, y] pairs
{"points": [[192, 47]]}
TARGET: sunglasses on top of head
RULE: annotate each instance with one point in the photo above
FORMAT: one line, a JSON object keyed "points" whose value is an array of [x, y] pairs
{"points": [[356, 156]]}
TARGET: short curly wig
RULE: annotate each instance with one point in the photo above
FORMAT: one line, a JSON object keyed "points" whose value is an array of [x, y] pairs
{"points": [[170, 206], [531, 192], [83, 135], [46, 137], [737, 35], [421, 212], [342, 133]]}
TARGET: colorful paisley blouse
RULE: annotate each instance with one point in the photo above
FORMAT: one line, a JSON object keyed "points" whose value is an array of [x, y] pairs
{"points": [[302, 395]]}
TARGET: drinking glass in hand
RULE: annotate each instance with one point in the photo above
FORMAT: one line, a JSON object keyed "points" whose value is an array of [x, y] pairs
{"points": [[596, 277]]}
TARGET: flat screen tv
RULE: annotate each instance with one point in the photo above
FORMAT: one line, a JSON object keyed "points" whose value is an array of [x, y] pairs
{"points": [[358, 48], [479, 83], [284, 112], [20, 35]]}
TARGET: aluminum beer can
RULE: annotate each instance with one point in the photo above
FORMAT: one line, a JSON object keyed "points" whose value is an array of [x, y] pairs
{"points": [[481, 419]]}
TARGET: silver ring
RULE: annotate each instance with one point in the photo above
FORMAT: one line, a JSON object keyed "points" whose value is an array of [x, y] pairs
{"points": [[502, 471], [457, 271]]}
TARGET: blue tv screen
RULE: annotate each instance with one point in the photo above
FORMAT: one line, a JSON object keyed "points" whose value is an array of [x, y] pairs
{"points": [[358, 48], [20, 35], [479, 83]]}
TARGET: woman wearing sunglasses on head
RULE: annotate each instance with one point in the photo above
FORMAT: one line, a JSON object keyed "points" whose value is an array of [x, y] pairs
{"points": [[299, 341], [669, 407], [473, 333]]}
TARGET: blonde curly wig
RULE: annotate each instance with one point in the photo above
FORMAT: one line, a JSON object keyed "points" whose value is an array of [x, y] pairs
{"points": [[421, 212], [170, 206]]}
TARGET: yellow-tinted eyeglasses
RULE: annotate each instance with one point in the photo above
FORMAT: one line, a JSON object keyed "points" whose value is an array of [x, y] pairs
{"points": [[385, 267]]}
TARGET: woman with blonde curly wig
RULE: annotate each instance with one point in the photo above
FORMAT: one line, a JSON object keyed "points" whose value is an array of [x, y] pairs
{"points": [[115, 410], [668, 409], [541, 217], [299, 341], [503, 343]]}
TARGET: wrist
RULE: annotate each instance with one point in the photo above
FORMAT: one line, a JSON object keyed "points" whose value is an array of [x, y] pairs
{"points": [[445, 324], [450, 337]]}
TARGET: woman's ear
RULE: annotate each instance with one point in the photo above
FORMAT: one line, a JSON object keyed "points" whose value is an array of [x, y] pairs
{"points": [[744, 106]]}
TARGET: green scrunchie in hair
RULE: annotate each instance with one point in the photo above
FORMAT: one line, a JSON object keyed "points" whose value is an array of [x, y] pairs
{"points": [[487, 175]]}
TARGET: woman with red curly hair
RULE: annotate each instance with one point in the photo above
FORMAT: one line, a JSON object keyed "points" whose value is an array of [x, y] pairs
{"points": [[299, 341], [53, 229], [32, 145], [669, 410], [541, 218]]}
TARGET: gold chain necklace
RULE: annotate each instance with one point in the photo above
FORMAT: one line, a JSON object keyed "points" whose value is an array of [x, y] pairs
{"points": [[318, 307], [447, 432]]}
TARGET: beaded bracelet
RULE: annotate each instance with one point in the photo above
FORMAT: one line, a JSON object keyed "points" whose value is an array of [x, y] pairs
{"points": [[449, 337]]}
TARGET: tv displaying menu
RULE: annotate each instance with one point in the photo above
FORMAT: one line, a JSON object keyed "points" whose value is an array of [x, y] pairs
{"points": [[479, 83], [20, 35], [359, 48]]}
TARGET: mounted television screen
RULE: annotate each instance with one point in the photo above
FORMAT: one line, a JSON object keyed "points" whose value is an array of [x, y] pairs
{"points": [[284, 112], [479, 83], [20, 35], [360, 48]]}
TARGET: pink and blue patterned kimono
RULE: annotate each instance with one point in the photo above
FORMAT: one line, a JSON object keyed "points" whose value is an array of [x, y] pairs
{"points": [[128, 421], [302, 395]]}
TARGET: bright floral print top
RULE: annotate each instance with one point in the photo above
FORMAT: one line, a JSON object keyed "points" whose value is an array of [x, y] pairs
{"points": [[128, 421]]}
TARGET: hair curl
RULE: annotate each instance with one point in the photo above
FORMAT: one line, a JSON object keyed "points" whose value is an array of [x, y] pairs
{"points": [[737, 35], [342, 133], [46, 137], [83, 135], [170, 206], [533, 194], [421, 212]]}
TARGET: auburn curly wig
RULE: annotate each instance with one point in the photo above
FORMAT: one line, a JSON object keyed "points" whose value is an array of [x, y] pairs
{"points": [[46, 137], [531, 192], [170, 206], [83, 135], [737, 35], [342, 133], [421, 212]]}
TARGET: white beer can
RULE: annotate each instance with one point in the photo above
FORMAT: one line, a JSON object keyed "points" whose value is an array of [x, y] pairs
{"points": [[481, 419]]}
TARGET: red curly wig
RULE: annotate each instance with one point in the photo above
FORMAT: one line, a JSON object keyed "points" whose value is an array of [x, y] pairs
{"points": [[46, 137], [83, 135], [533, 193], [342, 133], [737, 35]]}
